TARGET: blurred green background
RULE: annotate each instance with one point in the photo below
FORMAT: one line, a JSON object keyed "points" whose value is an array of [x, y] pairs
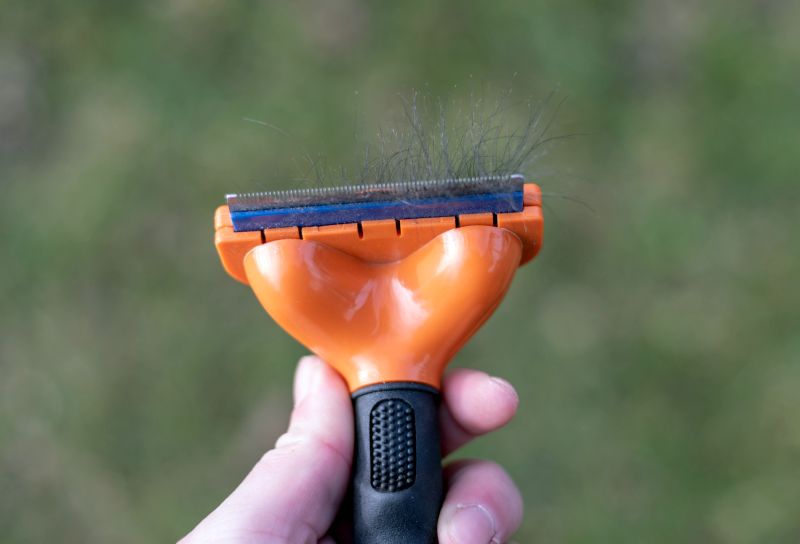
{"points": [[655, 342]]}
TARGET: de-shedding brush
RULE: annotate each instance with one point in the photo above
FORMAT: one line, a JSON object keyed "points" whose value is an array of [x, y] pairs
{"points": [[386, 281]]}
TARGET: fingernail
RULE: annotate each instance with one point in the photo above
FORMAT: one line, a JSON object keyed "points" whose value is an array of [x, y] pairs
{"points": [[305, 377], [507, 388], [472, 524]]}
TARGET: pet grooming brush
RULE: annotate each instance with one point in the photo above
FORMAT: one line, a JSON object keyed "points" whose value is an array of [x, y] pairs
{"points": [[386, 283]]}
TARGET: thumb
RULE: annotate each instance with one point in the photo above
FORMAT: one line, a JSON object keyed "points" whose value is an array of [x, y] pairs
{"points": [[294, 491]]}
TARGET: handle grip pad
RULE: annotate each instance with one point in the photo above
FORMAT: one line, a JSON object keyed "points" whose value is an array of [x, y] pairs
{"points": [[397, 470]]}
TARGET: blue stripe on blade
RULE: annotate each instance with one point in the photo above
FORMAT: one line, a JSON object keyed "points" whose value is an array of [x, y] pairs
{"points": [[334, 214]]}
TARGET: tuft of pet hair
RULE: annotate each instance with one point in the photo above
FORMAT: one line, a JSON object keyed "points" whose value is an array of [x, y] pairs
{"points": [[432, 140]]}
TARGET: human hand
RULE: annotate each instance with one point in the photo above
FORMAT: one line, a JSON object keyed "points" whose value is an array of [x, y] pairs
{"points": [[295, 491]]}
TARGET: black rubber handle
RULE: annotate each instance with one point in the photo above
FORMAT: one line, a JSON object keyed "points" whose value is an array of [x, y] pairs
{"points": [[397, 470]]}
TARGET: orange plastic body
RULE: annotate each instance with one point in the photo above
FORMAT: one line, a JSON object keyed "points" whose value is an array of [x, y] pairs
{"points": [[382, 303]]}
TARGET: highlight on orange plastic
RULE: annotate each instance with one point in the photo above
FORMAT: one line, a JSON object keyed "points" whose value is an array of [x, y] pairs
{"points": [[382, 240], [385, 301]]}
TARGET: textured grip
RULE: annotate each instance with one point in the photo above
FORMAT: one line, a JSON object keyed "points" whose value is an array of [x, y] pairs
{"points": [[392, 446], [397, 474]]}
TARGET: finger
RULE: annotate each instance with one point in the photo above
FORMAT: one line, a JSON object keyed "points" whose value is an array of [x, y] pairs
{"points": [[303, 377], [482, 506], [293, 492], [474, 403]]}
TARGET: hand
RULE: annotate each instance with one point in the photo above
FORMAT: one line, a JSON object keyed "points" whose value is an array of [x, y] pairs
{"points": [[294, 492]]}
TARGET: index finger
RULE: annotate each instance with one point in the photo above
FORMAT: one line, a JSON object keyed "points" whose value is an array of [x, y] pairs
{"points": [[473, 403]]}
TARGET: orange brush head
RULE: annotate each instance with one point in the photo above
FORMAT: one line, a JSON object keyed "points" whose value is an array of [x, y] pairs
{"points": [[384, 300]]}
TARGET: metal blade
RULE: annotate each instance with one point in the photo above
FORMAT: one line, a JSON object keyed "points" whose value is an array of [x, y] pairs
{"points": [[378, 192]]}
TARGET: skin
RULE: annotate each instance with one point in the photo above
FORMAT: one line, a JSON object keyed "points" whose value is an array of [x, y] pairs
{"points": [[295, 491]]}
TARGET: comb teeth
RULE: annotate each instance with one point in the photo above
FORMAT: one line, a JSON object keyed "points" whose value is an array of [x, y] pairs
{"points": [[374, 192], [355, 203]]}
